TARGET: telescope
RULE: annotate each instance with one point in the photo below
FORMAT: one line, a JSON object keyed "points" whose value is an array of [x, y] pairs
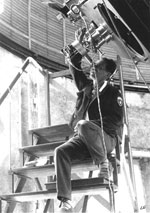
{"points": [[117, 23]]}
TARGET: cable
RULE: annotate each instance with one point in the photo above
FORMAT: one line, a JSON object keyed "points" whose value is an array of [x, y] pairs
{"points": [[97, 90], [103, 140], [94, 48], [98, 99], [102, 128], [100, 114]]}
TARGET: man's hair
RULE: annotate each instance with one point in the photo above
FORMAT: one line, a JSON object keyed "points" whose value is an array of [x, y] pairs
{"points": [[110, 64]]}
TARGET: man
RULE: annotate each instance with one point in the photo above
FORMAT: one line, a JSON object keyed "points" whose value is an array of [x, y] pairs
{"points": [[96, 136]]}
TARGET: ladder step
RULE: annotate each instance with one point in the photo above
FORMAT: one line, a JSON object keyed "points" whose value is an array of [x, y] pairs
{"points": [[84, 187], [48, 170], [53, 133], [28, 196], [81, 184], [42, 149]]}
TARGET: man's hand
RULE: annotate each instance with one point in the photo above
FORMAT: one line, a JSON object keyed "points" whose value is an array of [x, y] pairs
{"points": [[71, 52], [79, 34]]}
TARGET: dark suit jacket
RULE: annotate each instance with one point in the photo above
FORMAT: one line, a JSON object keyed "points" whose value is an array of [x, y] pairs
{"points": [[111, 105]]}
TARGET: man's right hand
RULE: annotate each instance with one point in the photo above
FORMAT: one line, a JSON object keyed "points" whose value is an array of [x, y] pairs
{"points": [[79, 34]]}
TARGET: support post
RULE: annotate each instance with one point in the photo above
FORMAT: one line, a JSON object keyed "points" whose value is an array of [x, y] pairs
{"points": [[86, 196], [111, 198]]}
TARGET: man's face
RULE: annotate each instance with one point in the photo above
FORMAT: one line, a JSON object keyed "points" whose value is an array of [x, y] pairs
{"points": [[100, 72]]}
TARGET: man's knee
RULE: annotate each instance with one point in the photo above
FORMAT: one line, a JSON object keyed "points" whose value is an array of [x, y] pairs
{"points": [[58, 152], [82, 126], [85, 127]]}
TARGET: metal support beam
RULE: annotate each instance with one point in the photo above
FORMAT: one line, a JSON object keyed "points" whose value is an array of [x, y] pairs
{"points": [[11, 205], [49, 207], [14, 81]]}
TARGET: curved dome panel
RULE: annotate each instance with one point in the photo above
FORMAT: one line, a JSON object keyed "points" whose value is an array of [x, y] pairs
{"points": [[128, 25], [137, 16], [30, 28], [34, 26]]}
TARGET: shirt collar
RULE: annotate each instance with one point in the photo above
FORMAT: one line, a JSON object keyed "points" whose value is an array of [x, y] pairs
{"points": [[103, 86]]}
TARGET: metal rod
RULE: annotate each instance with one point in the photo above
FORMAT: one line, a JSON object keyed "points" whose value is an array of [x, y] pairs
{"points": [[125, 48], [0, 205], [14, 81], [13, 181], [111, 198], [9, 88], [29, 22], [48, 98], [10, 132]]}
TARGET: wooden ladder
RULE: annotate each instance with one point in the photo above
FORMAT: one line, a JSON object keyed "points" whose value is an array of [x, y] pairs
{"points": [[47, 139]]}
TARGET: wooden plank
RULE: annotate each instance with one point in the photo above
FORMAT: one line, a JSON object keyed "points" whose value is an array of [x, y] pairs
{"points": [[47, 170], [82, 184], [62, 73], [51, 133], [90, 188], [42, 149], [43, 195], [29, 196], [103, 201], [33, 172]]}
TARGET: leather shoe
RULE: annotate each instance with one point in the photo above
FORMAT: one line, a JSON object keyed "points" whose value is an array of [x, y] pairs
{"points": [[65, 206]]}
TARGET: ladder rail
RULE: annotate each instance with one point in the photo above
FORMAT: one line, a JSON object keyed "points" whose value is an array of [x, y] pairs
{"points": [[127, 135], [16, 78]]}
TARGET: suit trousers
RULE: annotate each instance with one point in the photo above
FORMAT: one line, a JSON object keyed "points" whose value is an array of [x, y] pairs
{"points": [[86, 143]]}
